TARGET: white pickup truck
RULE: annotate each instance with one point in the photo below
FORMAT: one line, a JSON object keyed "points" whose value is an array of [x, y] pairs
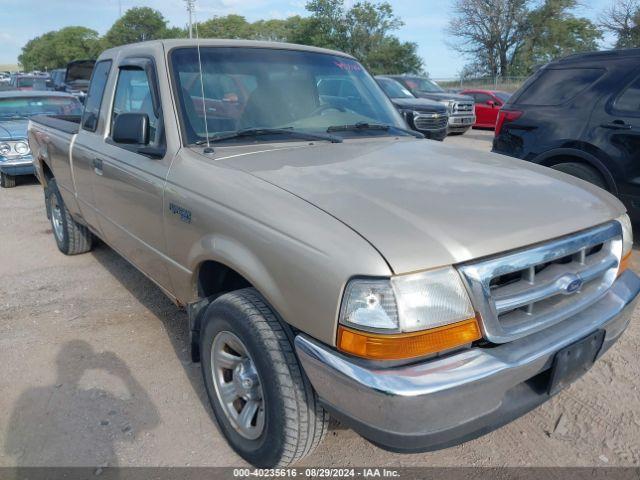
{"points": [[330, 261]]}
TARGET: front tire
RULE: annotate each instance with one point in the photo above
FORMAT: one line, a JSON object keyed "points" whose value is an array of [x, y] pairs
{"points": [[7, 181], [248, 362], [71, 237]]}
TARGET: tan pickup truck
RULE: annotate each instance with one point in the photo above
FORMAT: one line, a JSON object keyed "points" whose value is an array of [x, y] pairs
{"points": [[329, 260]]}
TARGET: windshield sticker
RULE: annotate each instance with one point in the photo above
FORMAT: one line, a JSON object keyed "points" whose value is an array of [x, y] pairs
{"points": [[348, 66]]}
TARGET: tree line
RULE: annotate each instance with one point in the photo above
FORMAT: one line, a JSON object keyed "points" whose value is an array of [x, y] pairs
{"points": [[514, 37], [499, 37], [364, 30]]}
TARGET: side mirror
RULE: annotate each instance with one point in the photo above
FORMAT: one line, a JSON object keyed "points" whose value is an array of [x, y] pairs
{"points": [[131, 128], [491, 103]]}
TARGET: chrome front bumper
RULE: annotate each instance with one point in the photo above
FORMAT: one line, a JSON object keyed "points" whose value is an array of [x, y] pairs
{"points": [[17, 165], [448, 400], [461, 122]]}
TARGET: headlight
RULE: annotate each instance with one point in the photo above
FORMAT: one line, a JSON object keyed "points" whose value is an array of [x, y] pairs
{"points": [[5, 149], [627, 242], [406, 316], [21, 148]]}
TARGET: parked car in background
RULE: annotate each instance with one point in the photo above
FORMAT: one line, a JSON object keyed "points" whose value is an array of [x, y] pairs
{"points": [[580, 115], [28, 82], [487, 105], [57, 79], [329, 260], [425, 116], [460, 107], [74, 79], [16, 108]]}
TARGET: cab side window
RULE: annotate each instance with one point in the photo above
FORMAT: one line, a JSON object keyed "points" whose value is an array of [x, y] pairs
{"points": [[629, 100], [134, 95], [95, 94]]}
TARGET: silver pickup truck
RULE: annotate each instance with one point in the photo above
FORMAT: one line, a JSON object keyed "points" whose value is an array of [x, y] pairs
{"points": [[329, 260]]}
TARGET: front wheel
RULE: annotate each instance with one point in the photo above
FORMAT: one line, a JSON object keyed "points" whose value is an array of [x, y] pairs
{"points": [[71, 237], [7, 181], [264, 404]]}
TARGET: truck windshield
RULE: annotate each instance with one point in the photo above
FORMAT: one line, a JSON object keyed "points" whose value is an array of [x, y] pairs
{"points": [[423, 85], [394, 89], [40, 105], [259, 88]]}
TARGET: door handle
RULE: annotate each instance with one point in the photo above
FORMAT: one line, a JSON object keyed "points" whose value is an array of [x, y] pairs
{"points": [[616, 125], [97, 166]]}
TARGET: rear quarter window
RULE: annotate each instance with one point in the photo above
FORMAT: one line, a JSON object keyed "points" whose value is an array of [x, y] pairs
{"points": [[558, 86], [629, 100]]}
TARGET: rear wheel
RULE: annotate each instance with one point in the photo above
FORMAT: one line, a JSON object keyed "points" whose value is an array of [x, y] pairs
{"points": [[71, 237], [264, 404], [583, 172], [7, 181]]}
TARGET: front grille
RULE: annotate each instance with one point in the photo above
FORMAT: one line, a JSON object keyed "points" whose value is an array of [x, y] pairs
{"points": [[462, 107], [531, 289], [430, 121]]}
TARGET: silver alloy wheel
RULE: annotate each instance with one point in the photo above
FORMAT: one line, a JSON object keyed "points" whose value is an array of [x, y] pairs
{"points": [[237, 385], [56, 218]]}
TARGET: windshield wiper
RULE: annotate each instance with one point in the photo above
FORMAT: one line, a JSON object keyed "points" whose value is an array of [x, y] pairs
{"points": [[255, 132], [361, 126]]}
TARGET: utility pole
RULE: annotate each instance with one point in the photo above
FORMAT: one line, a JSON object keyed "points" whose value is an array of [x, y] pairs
{"points": [[190, 8], [119, 8]]}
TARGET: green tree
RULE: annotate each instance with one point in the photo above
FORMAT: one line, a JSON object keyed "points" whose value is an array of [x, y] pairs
{"points": [[138, 24], [394, 57], [230, 26], [364, 31], [553, 32], [57, 48]]}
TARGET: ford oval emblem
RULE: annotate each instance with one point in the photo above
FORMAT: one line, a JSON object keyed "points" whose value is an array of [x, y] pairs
{"points": [[574, 286]]}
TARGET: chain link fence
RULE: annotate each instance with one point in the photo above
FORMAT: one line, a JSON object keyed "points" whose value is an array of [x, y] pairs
{"points": [[506, 84]]}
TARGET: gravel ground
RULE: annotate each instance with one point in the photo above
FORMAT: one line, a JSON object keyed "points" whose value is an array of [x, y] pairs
{"points": [[96, 372]]}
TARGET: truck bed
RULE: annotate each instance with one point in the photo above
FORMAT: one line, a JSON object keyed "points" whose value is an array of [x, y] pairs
{"points": [[66, 123]]}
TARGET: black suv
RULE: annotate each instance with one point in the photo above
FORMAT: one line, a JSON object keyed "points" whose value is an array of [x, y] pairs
{"points": [[426, 116], [580, 115]]}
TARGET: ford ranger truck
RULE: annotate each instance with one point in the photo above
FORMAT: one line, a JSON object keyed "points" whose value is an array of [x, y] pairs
{"points": [[330, 261]]}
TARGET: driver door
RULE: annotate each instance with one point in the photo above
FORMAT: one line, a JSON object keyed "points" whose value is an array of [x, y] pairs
{"points": [[129, 183]]}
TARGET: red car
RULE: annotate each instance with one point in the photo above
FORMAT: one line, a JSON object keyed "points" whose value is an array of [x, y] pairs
{"points": [[488, 103]]}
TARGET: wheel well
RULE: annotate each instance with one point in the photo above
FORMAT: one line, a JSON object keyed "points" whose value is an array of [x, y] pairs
{"points": [[558, 159], [215, 278], [46, 171]]}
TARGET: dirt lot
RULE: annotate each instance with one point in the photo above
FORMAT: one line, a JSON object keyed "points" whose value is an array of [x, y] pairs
{"points": [[95, 371]]}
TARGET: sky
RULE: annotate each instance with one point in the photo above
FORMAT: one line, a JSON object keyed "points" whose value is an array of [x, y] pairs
{"points": [[425, 21]]}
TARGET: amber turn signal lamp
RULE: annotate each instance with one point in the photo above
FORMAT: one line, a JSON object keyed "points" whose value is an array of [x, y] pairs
{"points": [[407, 345], [625, 263]]}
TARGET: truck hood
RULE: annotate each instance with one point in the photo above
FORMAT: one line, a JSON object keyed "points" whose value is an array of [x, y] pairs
{"points": [[423, 204], [13, 129], [443, 96], [421, 104]]}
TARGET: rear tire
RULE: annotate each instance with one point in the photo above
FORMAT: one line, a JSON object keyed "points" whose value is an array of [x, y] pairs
{"points": [[293, 422], [583, 172], [7, 181], [71, 237]]}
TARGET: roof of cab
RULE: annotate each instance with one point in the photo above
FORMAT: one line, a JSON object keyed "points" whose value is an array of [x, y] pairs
{"points": [[204, 42], [600, 56]]}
